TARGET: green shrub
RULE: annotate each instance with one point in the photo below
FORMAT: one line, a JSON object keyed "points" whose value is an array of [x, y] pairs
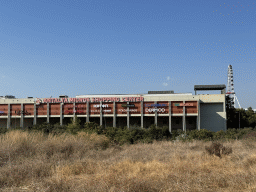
{"points": [[158, 133], [94, 127], [232, 133], [74, 126], [166, 133], [44, 127], [250, 135], [138, 135], [48, 128], [219, 135], [202, 134], [111, 132], [3, 130], [175, 134], [58, 129]]}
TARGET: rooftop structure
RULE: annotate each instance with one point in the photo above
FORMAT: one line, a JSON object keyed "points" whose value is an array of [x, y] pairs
{"points": [[221, 87], [160, 92]]}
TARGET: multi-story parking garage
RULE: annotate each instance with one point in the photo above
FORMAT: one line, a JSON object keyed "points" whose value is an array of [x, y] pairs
{"points": [[177, 111]]}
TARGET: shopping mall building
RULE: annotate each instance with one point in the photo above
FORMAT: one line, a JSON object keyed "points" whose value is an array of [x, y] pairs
{"points": [[163, 108]]}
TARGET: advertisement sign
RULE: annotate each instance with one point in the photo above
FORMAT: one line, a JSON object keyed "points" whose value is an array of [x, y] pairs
{"points": [[154, 110], [85, 100], [128, 105], [104, 110], [183, 104], [103, 106], [125, 110], [76, 111], [156, 105]]}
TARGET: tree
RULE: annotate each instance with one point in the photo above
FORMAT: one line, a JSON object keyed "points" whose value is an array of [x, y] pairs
{"points": [[231, 114], [251, 117], [74, 126]]}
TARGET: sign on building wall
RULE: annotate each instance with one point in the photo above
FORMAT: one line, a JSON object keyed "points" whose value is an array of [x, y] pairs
{"points": [[183, 104], [128, 105], [156, 105], [85, 100]]}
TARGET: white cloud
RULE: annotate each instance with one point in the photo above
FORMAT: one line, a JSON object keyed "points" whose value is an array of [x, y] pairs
{"points": [[168, 78], [165, 84]]}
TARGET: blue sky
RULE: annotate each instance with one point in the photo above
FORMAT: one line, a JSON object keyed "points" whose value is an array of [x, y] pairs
{"points": [[49, 48]]}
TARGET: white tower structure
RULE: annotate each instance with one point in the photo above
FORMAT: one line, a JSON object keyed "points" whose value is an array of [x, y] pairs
{"points": [[230, 88]]}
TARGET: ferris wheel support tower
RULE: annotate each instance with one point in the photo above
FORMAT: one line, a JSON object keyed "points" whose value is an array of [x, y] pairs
{"points": [[230, 88]]}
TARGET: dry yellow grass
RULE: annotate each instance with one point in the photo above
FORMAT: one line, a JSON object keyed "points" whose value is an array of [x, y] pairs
{"points": [[34, 162]]}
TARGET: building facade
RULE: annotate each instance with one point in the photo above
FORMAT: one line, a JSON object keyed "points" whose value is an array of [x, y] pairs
{"points": [[177, 111]]}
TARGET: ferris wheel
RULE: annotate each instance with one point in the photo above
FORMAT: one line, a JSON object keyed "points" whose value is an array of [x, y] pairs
{"points": [[230, 88]]}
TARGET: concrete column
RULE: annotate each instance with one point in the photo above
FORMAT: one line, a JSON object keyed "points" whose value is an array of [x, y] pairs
{"points": [[48, 112], [61, 115], [224, 105], [195, 92], [142, 115], [100, 113], [114, 113], [155, 115], [224, 110], [22, 116], [198, 116], [170, 116], [128, 116], [34, 122], [87, 111], [74, 114], [9, 116], [184, 117]]}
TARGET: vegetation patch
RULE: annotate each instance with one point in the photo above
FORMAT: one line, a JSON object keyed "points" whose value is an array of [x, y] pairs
{"points": [[218, 149]]}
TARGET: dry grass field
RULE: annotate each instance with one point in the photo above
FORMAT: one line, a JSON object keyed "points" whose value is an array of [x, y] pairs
{"points": [[35, 162]]}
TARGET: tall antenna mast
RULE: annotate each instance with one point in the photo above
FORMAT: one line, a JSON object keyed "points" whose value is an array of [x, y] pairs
{"points": [[230, 88]]}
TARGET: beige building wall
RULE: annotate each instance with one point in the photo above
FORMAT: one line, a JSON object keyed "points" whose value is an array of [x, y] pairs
{"points": [[212, 114]]}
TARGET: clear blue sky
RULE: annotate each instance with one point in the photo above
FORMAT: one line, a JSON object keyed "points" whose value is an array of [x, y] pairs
{"points": [[49, 48]]}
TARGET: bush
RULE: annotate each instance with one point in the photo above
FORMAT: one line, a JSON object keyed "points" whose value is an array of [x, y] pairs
{"points": [[58, 129], [44, 127], [158, 133], [74, 126], [218, 149], [250, 135], [94, 127], [237, 133], [202, 134], [175, 134], [232, 134], [3, 130], [219, 135], [48, 128]]}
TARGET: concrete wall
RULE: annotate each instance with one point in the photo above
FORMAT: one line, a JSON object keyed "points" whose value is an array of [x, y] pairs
{"points": [[218, 98], [212, 116]]}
